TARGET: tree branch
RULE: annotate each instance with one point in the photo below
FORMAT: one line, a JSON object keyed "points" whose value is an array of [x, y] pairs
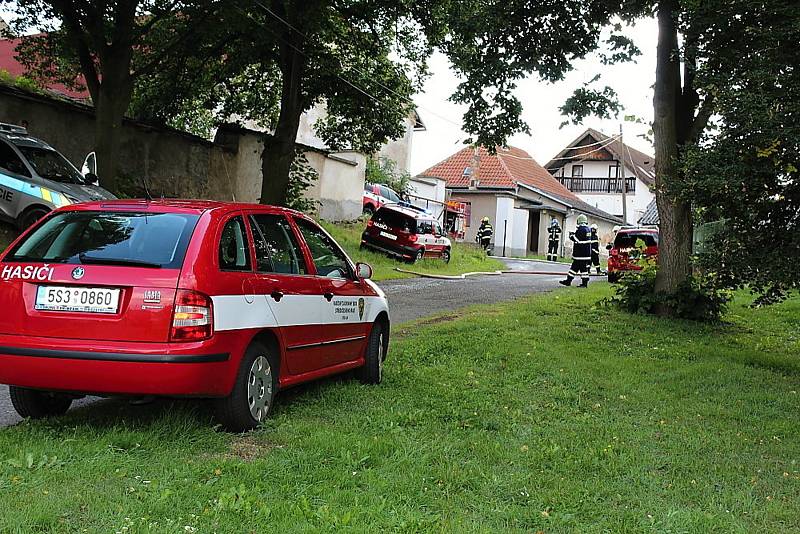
{"points": [[701, 119], [165, 52], [76, 34]]}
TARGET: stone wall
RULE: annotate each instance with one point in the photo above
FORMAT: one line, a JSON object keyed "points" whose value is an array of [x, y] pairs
{"points": [[177, 164]]}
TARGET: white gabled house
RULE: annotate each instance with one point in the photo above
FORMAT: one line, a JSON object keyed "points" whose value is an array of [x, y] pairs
{"points": [[589, 167], [518, 196]]}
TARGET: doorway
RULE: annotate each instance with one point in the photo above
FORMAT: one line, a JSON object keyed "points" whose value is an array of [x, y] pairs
{"points": [[533, 231]]}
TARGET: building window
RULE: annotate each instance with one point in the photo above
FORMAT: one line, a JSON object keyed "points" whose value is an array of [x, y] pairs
{"points": [[577, 171], [613, 171]]}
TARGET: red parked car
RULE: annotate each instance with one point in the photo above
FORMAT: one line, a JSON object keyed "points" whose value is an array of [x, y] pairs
{"points": [[625, 256], [406, 232], [376, 196], [182, 299]]}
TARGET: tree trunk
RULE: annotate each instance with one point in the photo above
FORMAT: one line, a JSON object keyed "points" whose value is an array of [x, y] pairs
{"points": [[279, 149], [675, 239], [111, 100]]}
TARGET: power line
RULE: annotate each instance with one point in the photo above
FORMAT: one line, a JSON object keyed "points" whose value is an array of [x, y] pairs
{"points": [[362, 73], [607, 142], [378, 83]]}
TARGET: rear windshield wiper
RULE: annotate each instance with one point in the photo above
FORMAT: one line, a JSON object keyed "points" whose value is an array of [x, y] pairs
{"points": [[118, 261]]}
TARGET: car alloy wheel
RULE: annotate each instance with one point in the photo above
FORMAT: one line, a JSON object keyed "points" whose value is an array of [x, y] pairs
{"points": [[259, 388], [446, 256]]}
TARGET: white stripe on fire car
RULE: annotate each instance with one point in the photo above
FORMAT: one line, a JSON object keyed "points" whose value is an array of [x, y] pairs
{"points": [[238, 312]]}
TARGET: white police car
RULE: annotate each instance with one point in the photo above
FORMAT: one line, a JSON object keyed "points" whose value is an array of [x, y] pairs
{"points": [[35, 178]]}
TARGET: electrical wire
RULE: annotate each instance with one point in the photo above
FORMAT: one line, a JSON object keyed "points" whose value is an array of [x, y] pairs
{"points": [[607, 142], [362, 73], [389, 89]]}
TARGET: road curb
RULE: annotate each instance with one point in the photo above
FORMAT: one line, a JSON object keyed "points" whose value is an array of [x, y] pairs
{"points": [[485, 273], [447, 276], [531, 260]]}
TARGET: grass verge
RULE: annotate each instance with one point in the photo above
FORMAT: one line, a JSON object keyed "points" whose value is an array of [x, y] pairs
{"points": [[464, 257], [546, 414]]}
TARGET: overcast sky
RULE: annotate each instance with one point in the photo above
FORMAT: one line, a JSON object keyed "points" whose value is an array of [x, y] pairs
{"points": [[541, 100]]}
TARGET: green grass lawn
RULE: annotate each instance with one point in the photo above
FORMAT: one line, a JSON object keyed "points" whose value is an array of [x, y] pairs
{"points": [[464, 258], [546, 414]]}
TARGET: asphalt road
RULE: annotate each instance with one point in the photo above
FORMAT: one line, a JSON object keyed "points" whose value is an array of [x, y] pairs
{"points": [[415, 298]]}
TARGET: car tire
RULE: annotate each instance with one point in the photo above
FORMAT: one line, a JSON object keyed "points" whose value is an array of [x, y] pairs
{"points": [[30, 217], [38, 404], [253, 395], [372, 371], [613, 278], [446, 255], [369, 210], [419, 256]]}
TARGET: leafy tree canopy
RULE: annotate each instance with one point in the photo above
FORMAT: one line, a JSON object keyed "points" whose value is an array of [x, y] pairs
{"points": [[745, 169]]}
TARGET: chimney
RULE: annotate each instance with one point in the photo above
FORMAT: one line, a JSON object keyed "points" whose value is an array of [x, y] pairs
{"points": [[474, 180]]}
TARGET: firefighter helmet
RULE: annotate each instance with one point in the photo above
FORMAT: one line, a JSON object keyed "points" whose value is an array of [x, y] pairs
{"points": [[594, 227], [582, 220], [485, 220], [554, 222]]}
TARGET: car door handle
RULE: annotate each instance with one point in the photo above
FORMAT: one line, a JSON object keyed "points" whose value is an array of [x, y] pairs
{"points": [[276, 295], [328, 296]]}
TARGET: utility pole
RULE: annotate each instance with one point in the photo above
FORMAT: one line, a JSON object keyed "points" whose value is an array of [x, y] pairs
{"points": [[621, 172]]}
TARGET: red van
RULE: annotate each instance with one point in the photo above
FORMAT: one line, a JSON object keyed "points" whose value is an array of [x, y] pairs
{"points": [[182, 299], [406, 232], [625, 256]]}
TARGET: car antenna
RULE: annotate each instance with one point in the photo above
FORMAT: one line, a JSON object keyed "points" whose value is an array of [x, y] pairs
{"points": [[147, 194]]}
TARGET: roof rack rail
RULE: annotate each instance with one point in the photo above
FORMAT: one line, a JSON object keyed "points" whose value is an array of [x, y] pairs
{"points": [[13, 128]]}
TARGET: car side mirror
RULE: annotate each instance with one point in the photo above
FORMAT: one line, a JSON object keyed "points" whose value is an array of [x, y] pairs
{"points": [[609, 246], [89, 164], [363, 271], [92, 178]]}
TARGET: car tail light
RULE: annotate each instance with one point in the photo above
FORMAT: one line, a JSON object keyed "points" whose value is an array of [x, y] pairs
{"points": [[614, 252], [369, 223], [413, 238], [191, 319]]}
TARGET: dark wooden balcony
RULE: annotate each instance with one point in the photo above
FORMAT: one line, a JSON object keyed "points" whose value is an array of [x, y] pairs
{"points": [[586, 184]]}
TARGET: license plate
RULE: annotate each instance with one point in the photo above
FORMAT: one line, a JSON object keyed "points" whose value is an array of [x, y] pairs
{"points": [[77, 299], [387, 235]]}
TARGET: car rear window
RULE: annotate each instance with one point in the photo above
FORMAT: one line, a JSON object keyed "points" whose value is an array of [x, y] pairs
{"points": [[628, 240], [109, 238], [395, 220]]}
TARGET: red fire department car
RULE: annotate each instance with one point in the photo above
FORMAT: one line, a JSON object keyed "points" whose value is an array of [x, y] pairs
{"points": [[376, 196], [182, 299], [624, 255], [406, 232]]}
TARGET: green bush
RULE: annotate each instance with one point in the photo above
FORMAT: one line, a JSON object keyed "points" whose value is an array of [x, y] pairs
{"points": [[384, 171], [700, 298]]}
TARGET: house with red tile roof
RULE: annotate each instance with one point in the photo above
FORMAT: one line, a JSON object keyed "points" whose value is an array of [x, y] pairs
{"points": [[589, 167], [10, 64], [518, 195]]}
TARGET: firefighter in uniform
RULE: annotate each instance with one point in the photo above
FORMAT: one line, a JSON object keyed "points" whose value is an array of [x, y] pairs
{"points": [[581, 253], [485, 232], [553, 240], [595, 249]]}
